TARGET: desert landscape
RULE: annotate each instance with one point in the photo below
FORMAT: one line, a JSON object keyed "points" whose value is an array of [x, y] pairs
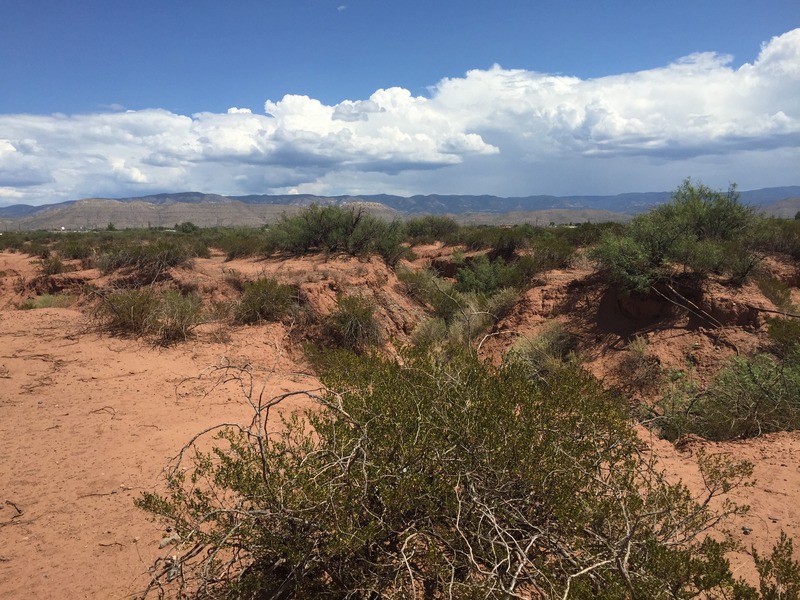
{"points": [[91, 417]]}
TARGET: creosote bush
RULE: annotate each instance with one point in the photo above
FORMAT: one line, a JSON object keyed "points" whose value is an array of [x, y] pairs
{"points": [[337, 229], [438, 479]]}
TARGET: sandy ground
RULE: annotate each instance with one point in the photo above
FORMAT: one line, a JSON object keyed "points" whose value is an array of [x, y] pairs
{"points": [[88, 421]]}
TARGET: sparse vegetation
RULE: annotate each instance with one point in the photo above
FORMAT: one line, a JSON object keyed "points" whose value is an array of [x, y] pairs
{"points": [[49, 301], [129, 312], [352, 324], [439, 475], [264, 300], [51, 266], [168, 317], [147, 262], [638, 371], [547, 353]]}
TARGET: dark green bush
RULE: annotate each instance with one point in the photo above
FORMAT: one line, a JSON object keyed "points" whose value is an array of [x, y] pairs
{"points": [[187, 227], [335, 229], [264, 300], [388, 244], [552, 252], [483, 275], [429, 229], [432, 479], [698, 232], [11, 241]]}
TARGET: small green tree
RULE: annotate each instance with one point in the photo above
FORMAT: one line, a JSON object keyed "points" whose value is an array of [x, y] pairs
{"points": [[698, 232]]}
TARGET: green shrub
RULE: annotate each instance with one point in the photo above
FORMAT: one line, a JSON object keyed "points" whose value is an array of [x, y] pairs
{"points": [[749, 397], [11, 241], [430, 333], [335, 229], [433, 479], [51, 266], [169, 316], [418, 284], [37, 249], [776, 291], [430, 228], [264, 300], [75, 248], [779, 235], [779, 574], [388, 244], [237, 242], [500, 304], [510, 242], [352, 324], [149, 261], [187, 227], [482, 275], [552, 252], [547, 352], [626, 263], [784, 336], [698, 232]]}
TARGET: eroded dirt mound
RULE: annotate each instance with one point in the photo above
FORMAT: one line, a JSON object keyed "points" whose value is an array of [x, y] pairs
{"points": [[88, 421]]}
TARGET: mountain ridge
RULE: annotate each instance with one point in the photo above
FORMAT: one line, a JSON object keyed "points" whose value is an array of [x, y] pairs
{"points": [[203, 209]]}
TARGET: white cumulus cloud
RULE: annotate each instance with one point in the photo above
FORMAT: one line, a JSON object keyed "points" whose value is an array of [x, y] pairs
{"points": [[501, 131]]}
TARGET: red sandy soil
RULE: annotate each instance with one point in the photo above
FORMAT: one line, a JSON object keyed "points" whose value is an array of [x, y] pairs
{"points": [[88, 421]]}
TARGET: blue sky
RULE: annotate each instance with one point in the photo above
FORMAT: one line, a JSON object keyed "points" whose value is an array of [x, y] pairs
{"points": [[370, 96]]}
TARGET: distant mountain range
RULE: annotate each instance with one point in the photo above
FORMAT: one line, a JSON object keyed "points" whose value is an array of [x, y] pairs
{"points": [[214, 209]]}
